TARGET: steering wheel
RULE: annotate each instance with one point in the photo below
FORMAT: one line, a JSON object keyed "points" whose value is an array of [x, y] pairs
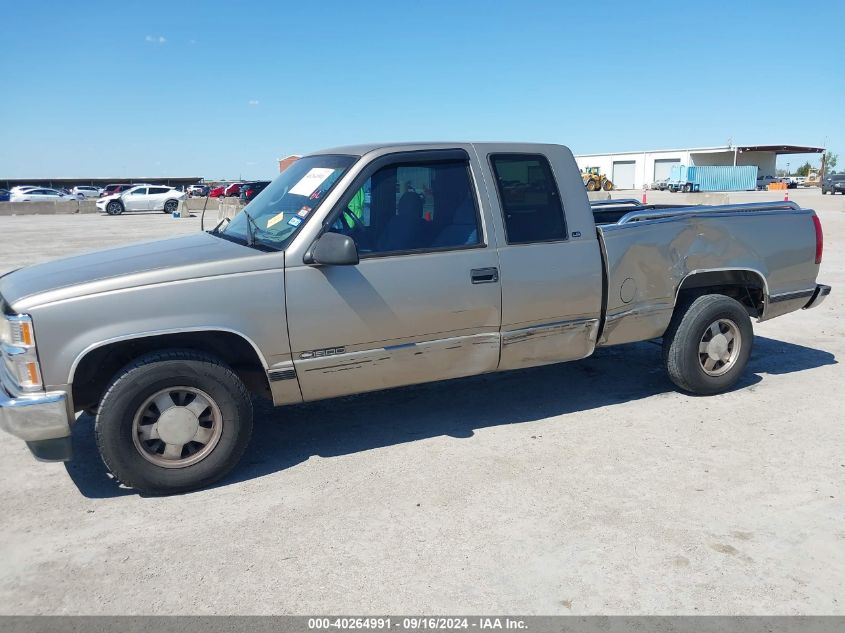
{"points": [[357, 229]]}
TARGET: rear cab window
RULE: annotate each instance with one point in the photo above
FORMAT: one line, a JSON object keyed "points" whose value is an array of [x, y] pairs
{"points": [[529, 198]]}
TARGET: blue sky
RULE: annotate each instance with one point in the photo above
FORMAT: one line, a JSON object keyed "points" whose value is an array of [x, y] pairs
{"points": [[222, 89]]}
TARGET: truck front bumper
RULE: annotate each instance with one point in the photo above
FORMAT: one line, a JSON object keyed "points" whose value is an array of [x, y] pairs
{"points": [[41, 420], [818, 296]]}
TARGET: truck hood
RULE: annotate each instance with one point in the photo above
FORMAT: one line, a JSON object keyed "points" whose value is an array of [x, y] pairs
{"points": [[145, 263]]}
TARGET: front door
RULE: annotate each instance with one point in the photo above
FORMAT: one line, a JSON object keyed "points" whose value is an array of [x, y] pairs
{"points": [[424, 302], [136, 199]]}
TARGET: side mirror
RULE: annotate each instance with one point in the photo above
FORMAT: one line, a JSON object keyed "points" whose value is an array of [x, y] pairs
{"points": [[333, 249]]}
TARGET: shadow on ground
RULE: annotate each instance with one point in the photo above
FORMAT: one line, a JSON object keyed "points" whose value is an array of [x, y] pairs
{"points": [[287, 436]]}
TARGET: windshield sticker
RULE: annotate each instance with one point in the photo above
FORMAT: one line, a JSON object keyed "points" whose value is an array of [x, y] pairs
{"points": [[310, 181], [295, 221], [303, 212], [276, 219]]}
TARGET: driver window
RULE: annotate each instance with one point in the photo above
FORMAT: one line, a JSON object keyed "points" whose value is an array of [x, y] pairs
{"points": [[413, 207]]}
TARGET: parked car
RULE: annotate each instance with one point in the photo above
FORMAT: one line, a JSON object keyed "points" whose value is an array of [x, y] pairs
{"points": [[4, 195], [143, 198], [198, 190], [217, 192], [86, 191], [833, 184], [41, 195], [764, 181], [251, 189], [660, 185], [800, 180], [317, 293], [20, 188], [233, 190]]}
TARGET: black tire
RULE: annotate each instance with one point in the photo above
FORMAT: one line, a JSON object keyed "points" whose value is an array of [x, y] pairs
{"points": [[687, 188], [132, 387], [171, 206], [114, 207], [689, 326]]}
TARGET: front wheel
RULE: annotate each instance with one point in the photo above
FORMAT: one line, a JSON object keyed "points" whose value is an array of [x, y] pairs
{"points": [[707, 345], [114, 208], [171, 206], [173, 421]]}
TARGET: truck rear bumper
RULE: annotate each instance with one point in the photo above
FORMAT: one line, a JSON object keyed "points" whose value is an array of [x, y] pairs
{"points": [[818, 296], [41, 420]]}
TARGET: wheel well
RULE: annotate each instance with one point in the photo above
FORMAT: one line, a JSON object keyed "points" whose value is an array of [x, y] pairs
{"points": [[97, 368], [746, 286]]}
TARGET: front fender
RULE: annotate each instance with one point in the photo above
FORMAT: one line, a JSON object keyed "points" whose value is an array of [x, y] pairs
{"points": [[250, 304]]}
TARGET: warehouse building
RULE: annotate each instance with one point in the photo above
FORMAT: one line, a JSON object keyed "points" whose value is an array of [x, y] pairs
{"points": [[633, 170]]}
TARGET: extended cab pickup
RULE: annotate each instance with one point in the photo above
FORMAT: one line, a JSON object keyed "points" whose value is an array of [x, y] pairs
{"points": [[370, 267]]}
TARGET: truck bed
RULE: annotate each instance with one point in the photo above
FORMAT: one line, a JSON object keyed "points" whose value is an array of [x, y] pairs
{"points": [[627, 210], [652, 251]]}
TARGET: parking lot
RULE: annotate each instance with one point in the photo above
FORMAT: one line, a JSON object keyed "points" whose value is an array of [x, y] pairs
{"points": [[583, 488]]}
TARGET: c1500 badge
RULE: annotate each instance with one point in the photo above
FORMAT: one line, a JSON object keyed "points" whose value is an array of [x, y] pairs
{"points": [[320, 353]]}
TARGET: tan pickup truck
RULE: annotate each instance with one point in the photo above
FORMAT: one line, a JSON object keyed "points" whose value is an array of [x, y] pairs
{"points": [[371, 267]]}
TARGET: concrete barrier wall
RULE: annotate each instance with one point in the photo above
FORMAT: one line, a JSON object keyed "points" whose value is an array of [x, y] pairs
{"points": [[48, 208]]}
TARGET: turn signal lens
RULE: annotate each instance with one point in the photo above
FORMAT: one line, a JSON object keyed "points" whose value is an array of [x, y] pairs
{"points": [[26, 334], [32, 371]]}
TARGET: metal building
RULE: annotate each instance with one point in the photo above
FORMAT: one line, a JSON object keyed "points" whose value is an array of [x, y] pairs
{"points": [[633, 170]]}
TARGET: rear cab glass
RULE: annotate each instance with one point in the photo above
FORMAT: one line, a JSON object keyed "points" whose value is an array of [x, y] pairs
{"points": [[529, 198]]}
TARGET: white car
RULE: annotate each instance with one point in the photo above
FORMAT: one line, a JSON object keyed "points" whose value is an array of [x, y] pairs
{"points": [[39, 195], [143, 198], [86, 191], [21, 188]]}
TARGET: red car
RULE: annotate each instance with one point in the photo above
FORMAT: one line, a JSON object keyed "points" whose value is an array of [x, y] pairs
{"points": [[217, 192], [233, 190]]}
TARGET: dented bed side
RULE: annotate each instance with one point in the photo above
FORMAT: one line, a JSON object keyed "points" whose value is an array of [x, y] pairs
{"points": [[648, 261]]}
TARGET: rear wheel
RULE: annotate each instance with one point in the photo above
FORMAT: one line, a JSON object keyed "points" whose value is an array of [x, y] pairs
{"points": [[687, 188], [114, 208], [607, 185], [173, 421], [707, 344]]}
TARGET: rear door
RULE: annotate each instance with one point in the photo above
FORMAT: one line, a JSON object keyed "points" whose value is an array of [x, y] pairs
{"points": [[157, 196], [551, 269], [423, 304]]}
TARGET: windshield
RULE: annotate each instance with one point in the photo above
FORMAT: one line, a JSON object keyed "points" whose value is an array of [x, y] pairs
{"points": [[274, 215]]}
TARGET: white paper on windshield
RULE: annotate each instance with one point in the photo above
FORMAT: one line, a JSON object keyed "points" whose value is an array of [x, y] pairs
{"points": [[310, 181]]}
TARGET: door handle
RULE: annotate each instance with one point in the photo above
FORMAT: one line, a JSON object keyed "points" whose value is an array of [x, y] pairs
{"points": [[484, 275]]}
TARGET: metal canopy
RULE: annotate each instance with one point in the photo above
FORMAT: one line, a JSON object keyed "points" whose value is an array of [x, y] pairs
{"points": [[781, 149]]}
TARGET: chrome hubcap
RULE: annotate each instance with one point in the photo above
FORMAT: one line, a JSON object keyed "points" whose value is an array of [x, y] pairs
{"points": [[177, 427], [719, 347]]}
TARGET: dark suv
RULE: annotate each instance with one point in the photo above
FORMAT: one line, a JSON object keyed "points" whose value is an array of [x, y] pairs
{"points": [[251, 189], [834, 183]]}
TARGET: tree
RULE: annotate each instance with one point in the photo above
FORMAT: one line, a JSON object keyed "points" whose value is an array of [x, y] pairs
{"points": [[804, 170], [829, 161]]}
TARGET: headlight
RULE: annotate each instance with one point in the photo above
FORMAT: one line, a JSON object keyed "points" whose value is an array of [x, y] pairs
{"points": [[20, 361]]}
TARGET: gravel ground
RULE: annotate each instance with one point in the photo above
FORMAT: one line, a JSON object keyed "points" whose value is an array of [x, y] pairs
{"points": [[589, 487]]}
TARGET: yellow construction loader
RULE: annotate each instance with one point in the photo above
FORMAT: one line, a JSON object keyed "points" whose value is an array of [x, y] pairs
{"points": [[594, 180]]}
